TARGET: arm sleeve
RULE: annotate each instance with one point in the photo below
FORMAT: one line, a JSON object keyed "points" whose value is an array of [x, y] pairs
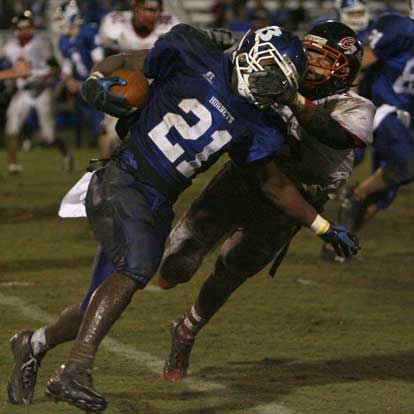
{"points": [[357, 118]]}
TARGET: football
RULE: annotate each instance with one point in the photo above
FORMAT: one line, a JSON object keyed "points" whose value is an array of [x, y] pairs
{"points": [[136, 91]]}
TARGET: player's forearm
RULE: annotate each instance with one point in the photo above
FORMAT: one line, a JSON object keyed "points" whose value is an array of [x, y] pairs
{"points": [[9, 74], [129, 61], [318, 122], [283, 193]]}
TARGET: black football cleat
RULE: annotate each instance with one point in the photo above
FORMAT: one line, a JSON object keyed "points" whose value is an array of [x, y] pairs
{"points": [[22, 381], [73, 384], [176, 366]]}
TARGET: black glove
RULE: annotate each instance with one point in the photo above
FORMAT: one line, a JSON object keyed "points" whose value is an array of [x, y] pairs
{"points": [[223, 38], [272, 84], [96, 92], [344, 242]]}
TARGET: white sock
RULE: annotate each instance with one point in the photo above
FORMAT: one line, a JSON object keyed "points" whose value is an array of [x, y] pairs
{"points": [[38, 341]]}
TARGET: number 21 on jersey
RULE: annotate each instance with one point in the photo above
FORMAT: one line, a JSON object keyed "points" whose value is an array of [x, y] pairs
{"points": [[173, 151]]}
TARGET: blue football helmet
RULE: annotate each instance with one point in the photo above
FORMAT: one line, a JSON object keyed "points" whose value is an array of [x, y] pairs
{"points": [[66, 16], [270, 43], [354, 13]]}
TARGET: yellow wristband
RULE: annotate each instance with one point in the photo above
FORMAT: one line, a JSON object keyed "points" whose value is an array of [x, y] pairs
{"points": [[320, 225]]}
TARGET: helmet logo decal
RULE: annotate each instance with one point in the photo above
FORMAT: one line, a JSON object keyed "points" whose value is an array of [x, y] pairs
{"points": [[267, 33], [348, 44]]}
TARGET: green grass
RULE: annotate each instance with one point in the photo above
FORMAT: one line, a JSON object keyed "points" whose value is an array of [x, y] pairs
{"points": [[343, 344]]}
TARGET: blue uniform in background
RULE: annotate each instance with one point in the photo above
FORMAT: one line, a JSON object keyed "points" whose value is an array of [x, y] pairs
{"points": [[192, 118], [389, 84], [363, 90], [80, 54]]}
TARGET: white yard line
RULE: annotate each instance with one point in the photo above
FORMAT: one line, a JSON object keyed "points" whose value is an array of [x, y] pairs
{"points": [[272, 408], [145, 359]]}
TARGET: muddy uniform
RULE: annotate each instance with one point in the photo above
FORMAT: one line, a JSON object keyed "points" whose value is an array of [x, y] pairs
{"points": [[233, 205]]}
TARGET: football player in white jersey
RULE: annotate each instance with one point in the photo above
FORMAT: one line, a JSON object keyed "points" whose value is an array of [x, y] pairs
{"points": [[34, 90], [135, 29], [318, 158]]}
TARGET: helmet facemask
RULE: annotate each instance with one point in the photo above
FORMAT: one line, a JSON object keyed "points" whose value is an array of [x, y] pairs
{"points": [[332, 61], [260, 55]]}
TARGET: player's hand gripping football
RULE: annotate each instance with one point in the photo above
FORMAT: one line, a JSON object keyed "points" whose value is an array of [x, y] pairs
{"points": [[344, 242], [270, 86], [96, 91]]}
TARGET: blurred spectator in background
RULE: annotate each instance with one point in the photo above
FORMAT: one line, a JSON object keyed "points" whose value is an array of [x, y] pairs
{"points": [[242, 15], [258, 14], [11, 8]]}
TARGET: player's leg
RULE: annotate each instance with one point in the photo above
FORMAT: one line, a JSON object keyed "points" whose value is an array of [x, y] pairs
{"points": [[93, 118], [131, 223], [243, 255], [380, 200], [17, 112], [211, 216], [45, 113], [394, 145], [30, 347]]}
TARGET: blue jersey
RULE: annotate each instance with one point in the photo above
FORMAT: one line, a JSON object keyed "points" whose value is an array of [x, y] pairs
{"points": [[363, 35], [392, 76], [81, 52], [193, 116]]}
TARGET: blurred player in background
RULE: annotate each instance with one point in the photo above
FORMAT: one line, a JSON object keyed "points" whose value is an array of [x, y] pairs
{"points": [[389, 75], [356, 15], [81, 50], [123, 31], [33, 91], [317, 158]]}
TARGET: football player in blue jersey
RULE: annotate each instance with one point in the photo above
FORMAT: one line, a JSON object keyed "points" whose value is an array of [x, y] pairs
{"points": [[81, 50], [389, 63], [201, 106]]}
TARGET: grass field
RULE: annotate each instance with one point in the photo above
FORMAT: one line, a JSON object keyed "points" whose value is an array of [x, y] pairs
{"points": [[317, 339]]}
